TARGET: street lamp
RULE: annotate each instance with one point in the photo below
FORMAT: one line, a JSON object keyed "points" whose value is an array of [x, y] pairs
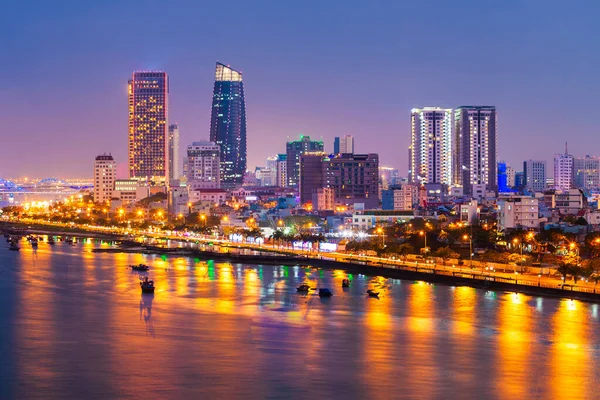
{"points": [[465, 237], [203, 219], [189, 207], [382, 233], [421, 233]]}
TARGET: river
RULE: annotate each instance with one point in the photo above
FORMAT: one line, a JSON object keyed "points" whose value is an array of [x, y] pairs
{"points": [[73, 324]]}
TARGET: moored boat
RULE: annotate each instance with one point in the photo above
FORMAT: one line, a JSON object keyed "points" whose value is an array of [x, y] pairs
{"points": [[325, 293], [304, 288], [345, 283], [372, 293], [140, 267]]}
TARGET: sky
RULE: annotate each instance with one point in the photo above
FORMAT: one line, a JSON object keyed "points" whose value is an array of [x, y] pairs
{"points": [[319, 68]]}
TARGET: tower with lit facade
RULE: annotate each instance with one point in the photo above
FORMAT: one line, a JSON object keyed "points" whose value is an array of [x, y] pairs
{"points": [[228, 124], [148, 136], [474, 147], [430, 151], [105, 174]]}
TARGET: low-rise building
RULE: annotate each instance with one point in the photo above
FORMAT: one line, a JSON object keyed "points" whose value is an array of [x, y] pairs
{"points": [[323, 199], [216, 196], [518, 212], [367, 219], [130, 190], [405, 197]]}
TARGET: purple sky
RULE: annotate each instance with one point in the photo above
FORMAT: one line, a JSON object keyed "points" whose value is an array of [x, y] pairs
{"points": [[321, 68]]}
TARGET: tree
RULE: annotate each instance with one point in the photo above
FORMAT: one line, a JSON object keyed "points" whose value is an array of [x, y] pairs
{"points": [[569, 265], [445, 253], [591, 270]]}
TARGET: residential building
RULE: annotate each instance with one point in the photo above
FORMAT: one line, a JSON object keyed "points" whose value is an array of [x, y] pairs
{"points": [[228, 124], [105, 173], [519, 180], [204, 167], [474, 147], [430, 151], [323, 198], [148, 116], [215, 196], [563, 171], [364, 220], [174, 157], [534, 172], [343, 145], [281, 178], [518, 212], [405, 197], [569, 202], [510, 176], [294, 150], [586, 172], [178, 201]]}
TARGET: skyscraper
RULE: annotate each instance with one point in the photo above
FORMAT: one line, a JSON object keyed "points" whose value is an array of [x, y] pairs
{"points": [[148, 115], [293, 152], [174, 161], [105, 173], [474, 147], [430, 151], [534, 173], [228, 124], [586, 171], [563, 170]]}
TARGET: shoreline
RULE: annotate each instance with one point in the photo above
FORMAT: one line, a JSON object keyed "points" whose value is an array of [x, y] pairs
{"points": [[427, 274], [408, 273]]}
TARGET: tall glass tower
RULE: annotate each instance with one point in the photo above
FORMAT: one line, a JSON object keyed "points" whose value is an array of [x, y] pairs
{"points": [[148, 139], [228, 124]]}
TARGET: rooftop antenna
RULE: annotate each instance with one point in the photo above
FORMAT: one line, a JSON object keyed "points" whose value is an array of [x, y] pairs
{"points": [[566, 149]]}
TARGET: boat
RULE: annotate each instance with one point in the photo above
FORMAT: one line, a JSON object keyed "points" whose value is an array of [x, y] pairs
{"points": [[14, 246], [147, 286], [345, 283], [372, 293], [140, 267], [51, 240], [325, 293], [304, 288]]}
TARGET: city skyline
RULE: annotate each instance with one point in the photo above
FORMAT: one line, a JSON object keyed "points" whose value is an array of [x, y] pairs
{"points": [[78, 121]]}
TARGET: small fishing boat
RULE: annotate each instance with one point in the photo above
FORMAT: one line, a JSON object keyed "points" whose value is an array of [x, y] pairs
{"points": [[147, 286], [325, 293], [345, 283], [304, 288], [14, 246], [140, 267], [372, 293], [51, 240]]}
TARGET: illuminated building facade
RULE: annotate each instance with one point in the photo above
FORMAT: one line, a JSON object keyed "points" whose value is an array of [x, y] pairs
{"points": [[174, 160], [430, 151], [474, 147], [105, 173], [148, 137], [203, 168], [228, 124], [534, 172], [293, 152], [563, 170]]}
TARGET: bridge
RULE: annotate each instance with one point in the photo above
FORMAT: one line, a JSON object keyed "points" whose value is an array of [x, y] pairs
{"points": [[46, 185]]}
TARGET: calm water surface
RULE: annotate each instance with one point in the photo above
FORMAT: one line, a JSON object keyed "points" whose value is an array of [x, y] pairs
{"points": [[73, 324]]}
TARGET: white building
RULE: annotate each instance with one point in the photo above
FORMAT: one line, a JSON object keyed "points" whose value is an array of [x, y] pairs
{"points": [[130, 190], [563, 171], [586, 171], [366, 219], [105, 173], [430, 151], [203, 165], [346, 145], [174, 157], [518, 212], [534, 172], [178, 201], [510, 176], [568, 202], [281, 176], [474, 148], [215, 196]]}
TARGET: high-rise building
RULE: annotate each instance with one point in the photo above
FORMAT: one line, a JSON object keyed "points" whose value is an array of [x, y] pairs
{"points": [[293, 152], [510, 176], [312, 175], [563, 170], [281, 177], [343, 145], [148, 116], [105, 173], [354, 178], [586, 171], [534, 172], [502, 178], [430, 151], [174, 160], [203, 170], [228, 124], [405, 197], [474, 147]]}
